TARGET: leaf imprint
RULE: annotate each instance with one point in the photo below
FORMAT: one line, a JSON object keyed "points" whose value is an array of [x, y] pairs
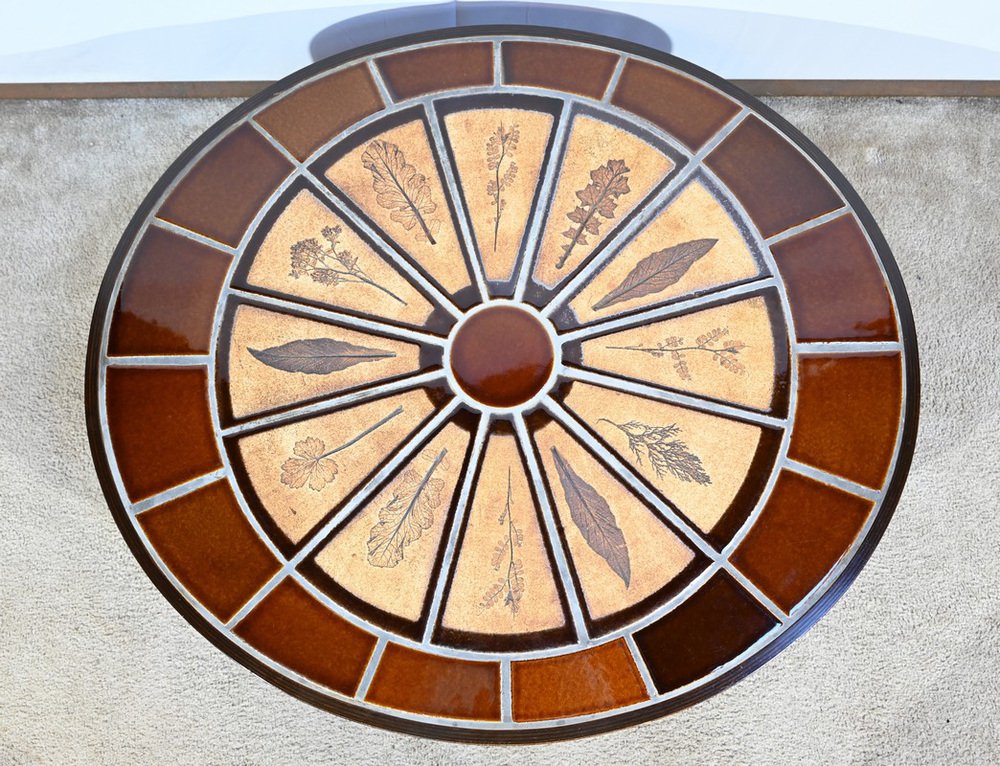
{"points": [[399, 187], [593, 517], [598, 200], [657, 271], [510, 586], [317, 356]]}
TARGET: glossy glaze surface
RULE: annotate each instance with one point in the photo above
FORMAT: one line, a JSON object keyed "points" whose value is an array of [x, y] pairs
{"points": [[507, 387]]}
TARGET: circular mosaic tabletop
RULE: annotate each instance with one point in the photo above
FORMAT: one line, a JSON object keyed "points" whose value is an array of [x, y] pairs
{"points": [[502, 384]]}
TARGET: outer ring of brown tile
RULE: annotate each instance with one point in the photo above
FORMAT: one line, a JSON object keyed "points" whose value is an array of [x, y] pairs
{"points": [[353, 712]]}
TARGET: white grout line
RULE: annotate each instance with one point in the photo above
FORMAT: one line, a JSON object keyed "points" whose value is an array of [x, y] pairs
{"points": [[175, 492], [178, 360], [192, 235], [613, 81], [452, 186], [549, 517], [810, 224], [668, 310], [370, 668], [833, 480], [690, 401], [641, 666], [335, 402], [506, 693], [461, 508], [848, 347], [497, 64], [383, 89]]}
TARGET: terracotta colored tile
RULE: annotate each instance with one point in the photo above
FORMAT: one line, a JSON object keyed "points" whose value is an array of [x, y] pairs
{"points": [[308, 117], [571, 68], [160, 427], [587, 681], [803, 531], [716, 624], [680, 105], [168, 297], [777, 185], [407, 679], [848, 415], [834, 284], [222, 193], [438, 67], [295, 629], [207, 542]]}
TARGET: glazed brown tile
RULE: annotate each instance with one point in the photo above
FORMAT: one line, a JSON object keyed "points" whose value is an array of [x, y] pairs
{"points": [[776, 183], [588, 681], [848, 415], [207, 542], [308, 117], [292, 627], [222, 193], [680, 105], [437, 67], [586, 71], [430, 684], [717, 623], [835, 287], [805, 528], [160, 427], [168, 297]]}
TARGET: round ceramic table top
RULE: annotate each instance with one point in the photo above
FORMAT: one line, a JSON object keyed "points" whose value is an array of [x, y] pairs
{"points": [[502, 384]]}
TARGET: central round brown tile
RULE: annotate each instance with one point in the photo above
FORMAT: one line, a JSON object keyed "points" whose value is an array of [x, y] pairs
{"points": [[501, 356]]}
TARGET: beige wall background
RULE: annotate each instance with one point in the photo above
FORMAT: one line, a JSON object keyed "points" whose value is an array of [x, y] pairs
{"points": [[97, 668]]}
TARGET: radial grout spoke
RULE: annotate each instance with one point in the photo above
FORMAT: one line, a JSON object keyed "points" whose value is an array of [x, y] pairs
{"points": [[451, 184], [551, 529], [810, 224], [175, 492], [654, 204], [691, 401], [640, 664], [818, 474], [668, 310], [461, 508], [506, 695], [370, 668], [497, 64], [194, 236], [384, 248], [529, 252], [776, 611], [329, 315], [333, 403], [848, 347], [256, 598], [616, 75], [178, 360], [383, 89]]}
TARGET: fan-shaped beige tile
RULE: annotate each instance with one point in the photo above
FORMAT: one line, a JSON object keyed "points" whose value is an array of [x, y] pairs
{"points": [[503, 580], [654, 554], [274, 458], [435, 247], [372, 286], [499, 155], [358, 557]]}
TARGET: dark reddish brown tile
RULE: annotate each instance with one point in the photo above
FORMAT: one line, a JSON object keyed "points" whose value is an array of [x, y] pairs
{"points": [[848, 415], [438, 67], [407, 679], [802, 532], [160, 427], [571, 68], [680, 105], [835, 287], [295, 629], [719, 622], [208, 544], [168, 297], [776, 183], [587, 681], [502, 356], [222, 193], [310, 116]]}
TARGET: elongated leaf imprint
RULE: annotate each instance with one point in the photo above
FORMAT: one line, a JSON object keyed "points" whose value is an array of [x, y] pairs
{"points": [[598, 200], [510, 586], [408, 513], [317, 356], [399, 187], [593, 517], [657, 271], [666, 454]]}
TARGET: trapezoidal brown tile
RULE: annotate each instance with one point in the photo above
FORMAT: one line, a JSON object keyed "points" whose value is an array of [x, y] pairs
{"points": [[515, 425]]}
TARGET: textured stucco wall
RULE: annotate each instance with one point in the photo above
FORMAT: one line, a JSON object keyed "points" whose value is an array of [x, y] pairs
{"points": [[96, 667]]}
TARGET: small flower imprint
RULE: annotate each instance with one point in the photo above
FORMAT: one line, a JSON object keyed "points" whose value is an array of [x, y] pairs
{"points": [[500, 147], [666, 454], [312, 463], [598, 200], [331, 265], [509, 589], [674, 348]]}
